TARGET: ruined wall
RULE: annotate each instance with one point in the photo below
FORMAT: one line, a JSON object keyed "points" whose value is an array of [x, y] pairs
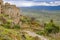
{"points": [[1, 3], [0, 9], [12, 11]]}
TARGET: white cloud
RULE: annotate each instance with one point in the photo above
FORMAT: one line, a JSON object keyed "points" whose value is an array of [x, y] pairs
{"points": [[32, 3]]}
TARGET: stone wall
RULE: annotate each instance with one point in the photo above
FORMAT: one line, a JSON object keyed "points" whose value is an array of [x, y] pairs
{"points": [[11, 10], [0, 9], [1, 3]]}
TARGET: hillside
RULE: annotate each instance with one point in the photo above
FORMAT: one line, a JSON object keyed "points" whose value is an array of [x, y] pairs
{"points": [[28, 23], [9, 31], [25, 28]]}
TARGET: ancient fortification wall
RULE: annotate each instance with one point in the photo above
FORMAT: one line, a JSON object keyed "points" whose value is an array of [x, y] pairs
{"points": [[11, 10]]}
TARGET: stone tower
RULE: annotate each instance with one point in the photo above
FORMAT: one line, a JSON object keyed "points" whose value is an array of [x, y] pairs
{"points": [[1, 3]]}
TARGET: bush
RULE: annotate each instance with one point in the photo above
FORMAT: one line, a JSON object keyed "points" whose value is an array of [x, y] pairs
{"points": [[6, 25], [16, 26], [29, 37], [51, 28], [41, 32]]}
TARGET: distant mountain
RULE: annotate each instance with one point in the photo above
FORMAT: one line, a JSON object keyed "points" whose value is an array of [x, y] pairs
{"points": [[42, 13], [38, 8]]}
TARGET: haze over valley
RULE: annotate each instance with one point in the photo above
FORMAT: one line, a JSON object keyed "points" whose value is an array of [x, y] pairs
{"points": [[42, 13]]}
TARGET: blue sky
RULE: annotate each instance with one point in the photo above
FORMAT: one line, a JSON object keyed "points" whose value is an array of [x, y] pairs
{"points": [[28, 3]]}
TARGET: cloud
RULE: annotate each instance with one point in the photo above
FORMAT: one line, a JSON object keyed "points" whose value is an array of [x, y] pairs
{"points": [[29, 3]]}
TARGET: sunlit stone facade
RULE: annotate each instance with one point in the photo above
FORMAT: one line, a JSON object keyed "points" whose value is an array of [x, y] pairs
{"points": [[11, 10]]}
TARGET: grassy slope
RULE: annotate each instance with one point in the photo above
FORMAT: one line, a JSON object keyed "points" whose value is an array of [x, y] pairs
{"points": [[9, 34], [13, 34]]}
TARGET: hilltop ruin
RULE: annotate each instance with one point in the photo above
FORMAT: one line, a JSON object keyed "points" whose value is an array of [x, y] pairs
{"points": [[12, 11]]}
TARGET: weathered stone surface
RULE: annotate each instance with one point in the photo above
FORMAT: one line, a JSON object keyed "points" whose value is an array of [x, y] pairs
{"points": [[11, 10]]}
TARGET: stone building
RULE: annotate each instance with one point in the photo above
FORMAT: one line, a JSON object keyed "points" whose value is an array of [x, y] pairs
{"points": [[11, 10]]}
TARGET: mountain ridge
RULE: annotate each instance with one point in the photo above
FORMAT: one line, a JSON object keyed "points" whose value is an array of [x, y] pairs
{"points": [[37, 8]]}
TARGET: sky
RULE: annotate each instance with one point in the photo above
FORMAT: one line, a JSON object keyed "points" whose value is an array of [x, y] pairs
{"points": [[29, 3]]}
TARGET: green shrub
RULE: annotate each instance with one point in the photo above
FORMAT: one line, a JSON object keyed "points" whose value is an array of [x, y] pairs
{"points": [[6, 25], [41, 32], [29, 37], [51, 28], [16, 26]]}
